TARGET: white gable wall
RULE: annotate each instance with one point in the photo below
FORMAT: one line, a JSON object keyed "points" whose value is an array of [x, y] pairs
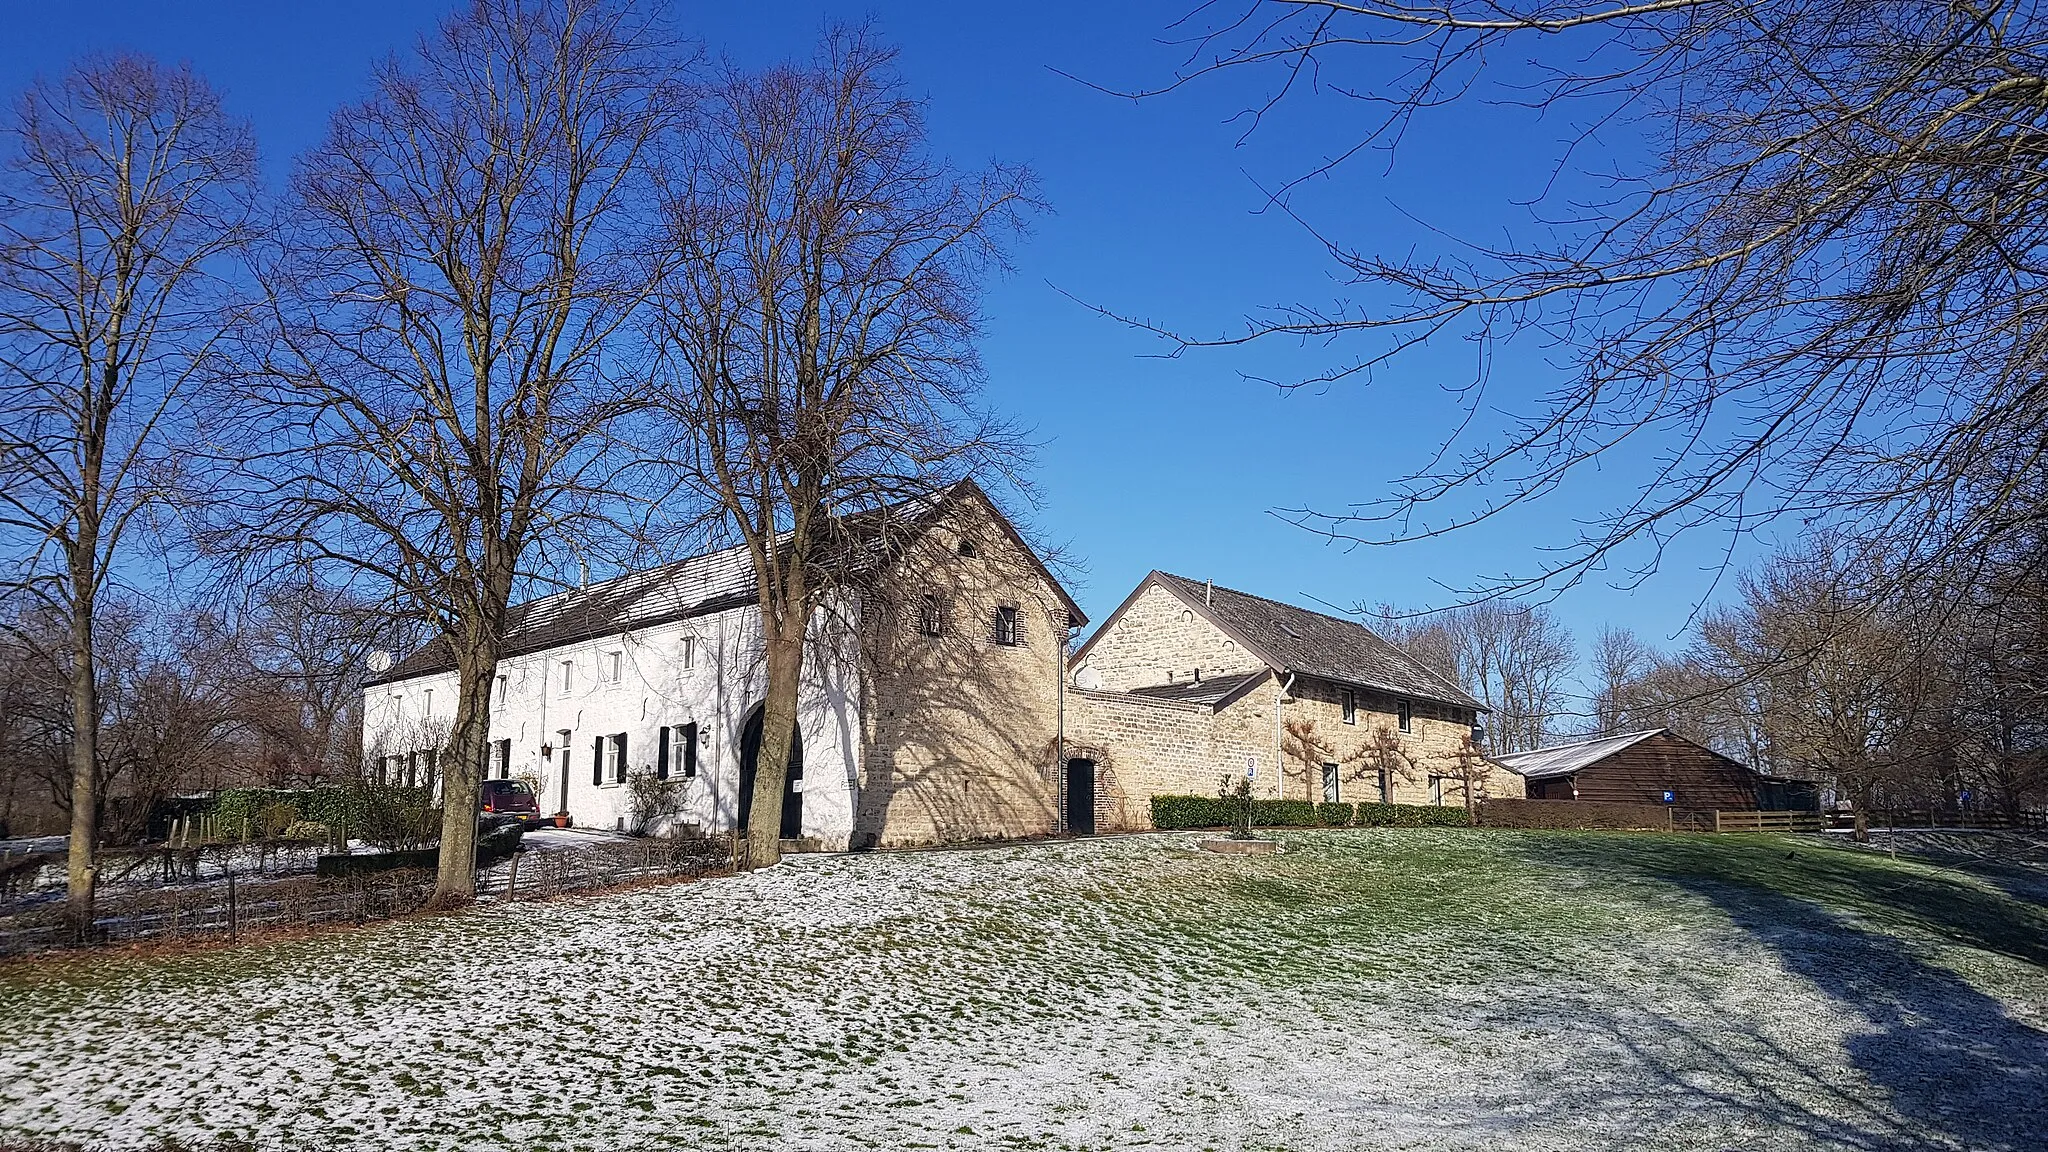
{"points": [[718, 692]]}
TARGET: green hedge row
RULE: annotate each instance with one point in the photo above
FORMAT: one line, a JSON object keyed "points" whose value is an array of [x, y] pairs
{"points": [[374, 812], [1174, 812]]}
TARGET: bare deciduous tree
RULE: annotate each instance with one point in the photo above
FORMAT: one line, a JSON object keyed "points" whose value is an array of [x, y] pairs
{"points": [[1516, 659], [451, 355], [127, 188], [819, 330], [1790, 250], [1620, 659]]}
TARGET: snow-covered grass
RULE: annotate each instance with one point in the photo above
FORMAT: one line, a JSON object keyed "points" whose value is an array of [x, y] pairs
{"points": [[1426, 989]]}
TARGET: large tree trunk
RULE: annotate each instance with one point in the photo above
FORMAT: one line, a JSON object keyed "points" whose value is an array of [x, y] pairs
{"points": [[81, 858], [462, 772], [785, 644]]}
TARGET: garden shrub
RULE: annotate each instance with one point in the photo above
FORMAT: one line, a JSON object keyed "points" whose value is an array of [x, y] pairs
{"points": [[273, 818], [308, 831], [1332, 815]]}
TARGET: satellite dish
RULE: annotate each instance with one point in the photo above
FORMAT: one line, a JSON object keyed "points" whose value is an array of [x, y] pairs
{"points": [[380, 661], [1088, 678]]}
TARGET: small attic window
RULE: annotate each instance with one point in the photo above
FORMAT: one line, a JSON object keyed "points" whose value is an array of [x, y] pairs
{"points": [[966, 548]]}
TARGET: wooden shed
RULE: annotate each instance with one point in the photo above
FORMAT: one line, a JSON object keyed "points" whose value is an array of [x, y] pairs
{"points": [[1653, 767]]}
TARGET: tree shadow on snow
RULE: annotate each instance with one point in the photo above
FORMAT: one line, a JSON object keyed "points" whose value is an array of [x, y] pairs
{"points": [[1955, 1069]]}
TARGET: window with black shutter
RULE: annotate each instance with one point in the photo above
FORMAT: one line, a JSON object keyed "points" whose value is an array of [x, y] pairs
{"points": [[661, 755], [1008, 630], [689, 737], [619, 765], [597, 761]]}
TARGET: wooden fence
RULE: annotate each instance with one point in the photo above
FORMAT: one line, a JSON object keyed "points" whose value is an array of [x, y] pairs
{"points": [[238, 905], [1727, 821]]}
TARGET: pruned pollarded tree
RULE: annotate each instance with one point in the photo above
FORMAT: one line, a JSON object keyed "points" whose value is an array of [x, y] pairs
{"points": [[1789, 254], [819, 330], [1380, 759], [451, 356], [128, 192]]}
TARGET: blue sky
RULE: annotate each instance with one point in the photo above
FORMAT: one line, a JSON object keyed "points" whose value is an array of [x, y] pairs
{"points": [[1147, 461]]}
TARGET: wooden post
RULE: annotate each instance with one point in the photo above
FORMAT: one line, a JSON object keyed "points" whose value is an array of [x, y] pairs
{"points": [[232, 934]]}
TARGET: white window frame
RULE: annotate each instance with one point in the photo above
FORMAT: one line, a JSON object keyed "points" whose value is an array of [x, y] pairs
{"points": [[614, 761], [427, 702], [568, 675], [504, 688], [1348, 699], [611, 666], [1333, 791], [1436, 790], [1404, 712], [689, 652]]}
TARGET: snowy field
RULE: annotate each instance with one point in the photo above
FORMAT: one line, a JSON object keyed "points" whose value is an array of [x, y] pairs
{"points": [[1413, 989]]}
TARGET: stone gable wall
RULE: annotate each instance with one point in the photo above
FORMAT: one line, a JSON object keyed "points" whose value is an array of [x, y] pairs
{"points": [[1160, 640]]}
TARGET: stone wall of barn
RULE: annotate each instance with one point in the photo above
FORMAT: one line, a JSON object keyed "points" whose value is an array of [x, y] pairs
{"points": [[1158, 639]]}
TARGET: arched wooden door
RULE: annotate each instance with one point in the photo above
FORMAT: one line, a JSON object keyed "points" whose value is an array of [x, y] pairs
{"points": [[792, 793]]}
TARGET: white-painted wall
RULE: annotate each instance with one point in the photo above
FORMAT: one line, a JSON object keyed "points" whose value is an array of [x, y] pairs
{"points": [[726, 680]]}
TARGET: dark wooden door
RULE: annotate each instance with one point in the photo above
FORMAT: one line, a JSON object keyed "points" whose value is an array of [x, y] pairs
{"points": [[792, 787], [1080, 797]]}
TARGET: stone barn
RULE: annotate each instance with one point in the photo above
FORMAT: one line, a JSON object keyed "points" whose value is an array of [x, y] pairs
{"points": [[1188, 687]]}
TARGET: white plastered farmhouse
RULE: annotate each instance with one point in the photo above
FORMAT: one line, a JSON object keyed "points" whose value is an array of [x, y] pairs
{"points": [[929, 709]]}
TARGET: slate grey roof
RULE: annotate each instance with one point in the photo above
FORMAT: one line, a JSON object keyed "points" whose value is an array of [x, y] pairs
{"points": [[1296, 639], [1565, 759], [1211, 690], [697, 586]]}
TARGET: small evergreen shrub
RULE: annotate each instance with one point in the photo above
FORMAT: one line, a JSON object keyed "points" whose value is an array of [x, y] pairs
{"points": [[1332, 815]]}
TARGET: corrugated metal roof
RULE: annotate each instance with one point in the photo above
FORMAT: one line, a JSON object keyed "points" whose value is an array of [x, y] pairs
{"points": [[1565, 759]]}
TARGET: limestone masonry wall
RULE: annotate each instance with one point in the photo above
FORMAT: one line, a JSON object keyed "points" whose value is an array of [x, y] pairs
{"points": [[1160, 640]]}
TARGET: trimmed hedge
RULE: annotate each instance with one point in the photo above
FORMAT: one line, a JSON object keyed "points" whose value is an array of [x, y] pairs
{"points": [[377, 813], [1283, 814], [1174, 812], [1171, 813], [1412, 816]]}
